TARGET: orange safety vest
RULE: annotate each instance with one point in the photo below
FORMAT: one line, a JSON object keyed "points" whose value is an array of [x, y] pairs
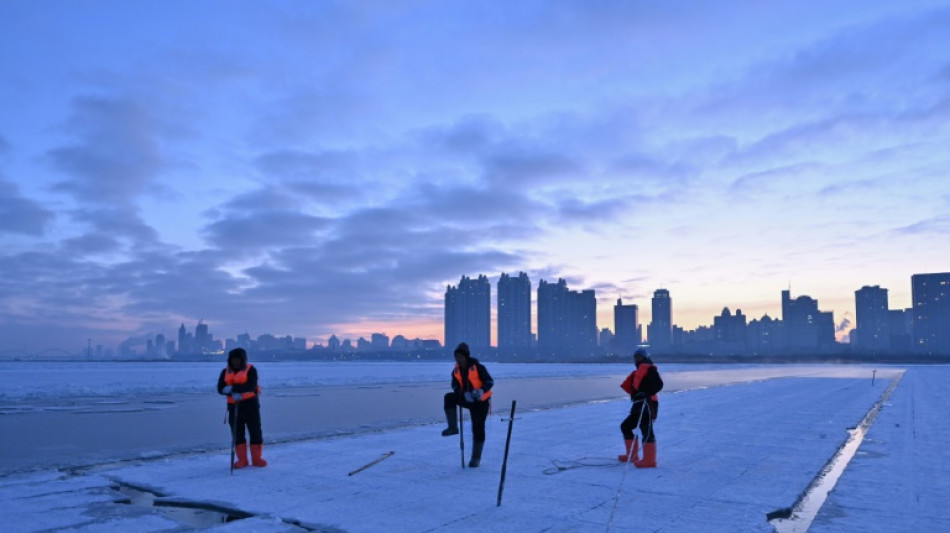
{"points": [[473, 378], [240, 378], [632, 382]]}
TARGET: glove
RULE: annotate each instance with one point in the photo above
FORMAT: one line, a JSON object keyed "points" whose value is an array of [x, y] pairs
{"points": [[227, 390], [469, 398], [477, 394], [237, 396], [640, 396]]}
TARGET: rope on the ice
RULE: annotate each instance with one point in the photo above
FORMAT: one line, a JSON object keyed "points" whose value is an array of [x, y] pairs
{"points": [[561, 466]]}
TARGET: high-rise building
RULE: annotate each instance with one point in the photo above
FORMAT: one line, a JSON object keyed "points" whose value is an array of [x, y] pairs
{"points": [[514, 313], [203, 338], [806, 328], [873, 328], [160, 345], [626, 328], [468, 314], [660, 330], [185, 344], [567, 320], [901, 323], [931, 323]]}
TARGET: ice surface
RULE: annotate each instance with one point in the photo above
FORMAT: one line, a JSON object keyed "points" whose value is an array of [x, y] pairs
{"points": [[728, 455]]}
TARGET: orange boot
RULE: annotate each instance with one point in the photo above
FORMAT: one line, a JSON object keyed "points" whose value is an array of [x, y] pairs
{"points": [[240, 450], [256, 458], [629, 456], [649, 456]]}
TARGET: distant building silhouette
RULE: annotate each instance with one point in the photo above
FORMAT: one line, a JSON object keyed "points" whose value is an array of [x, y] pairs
{"points": [[765, 336], [514, 313], [660, 330], [873, 331], [379, 341], [806, 328], [468, 314], [184, 340], [626, 328], [607, 338], [931, 299], [901, 324], [567, 320], [203, 338], [730, 330], [399, 342]]}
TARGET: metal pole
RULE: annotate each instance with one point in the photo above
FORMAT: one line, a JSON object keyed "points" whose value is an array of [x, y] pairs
{"points": [[462, 435], [371, 463], [233, 421], [873, 372], [504, 463]]}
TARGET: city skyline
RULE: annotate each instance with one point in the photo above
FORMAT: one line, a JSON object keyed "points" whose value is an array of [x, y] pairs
{"points": [[338, 165], [572, 330]]}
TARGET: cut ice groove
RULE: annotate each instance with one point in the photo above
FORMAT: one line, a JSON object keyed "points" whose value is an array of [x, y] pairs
{"points": [[191, 514], [799, 517]]}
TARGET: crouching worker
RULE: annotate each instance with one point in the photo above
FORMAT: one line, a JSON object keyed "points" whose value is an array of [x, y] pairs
{"points": [[238, 381], [642, 385], [471, 386]]}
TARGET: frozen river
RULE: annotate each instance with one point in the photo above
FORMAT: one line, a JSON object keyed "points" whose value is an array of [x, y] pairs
{"points": [[79, 414]]}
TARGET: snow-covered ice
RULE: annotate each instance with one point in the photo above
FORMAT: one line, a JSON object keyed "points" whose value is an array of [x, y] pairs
{"points": [[728, 455]]}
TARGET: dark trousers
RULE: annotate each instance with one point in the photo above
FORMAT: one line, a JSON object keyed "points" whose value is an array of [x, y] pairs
{"points": [[248, 417], [478, 410], [645, 422]]}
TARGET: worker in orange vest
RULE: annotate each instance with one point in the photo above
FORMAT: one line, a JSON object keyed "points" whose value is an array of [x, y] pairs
{"points": [[471, 388], [238, 381], [642, 385]]}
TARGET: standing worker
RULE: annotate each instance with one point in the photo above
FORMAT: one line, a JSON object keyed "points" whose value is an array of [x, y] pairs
{"points": [[239, 382], [471, 386], [642, 385]]}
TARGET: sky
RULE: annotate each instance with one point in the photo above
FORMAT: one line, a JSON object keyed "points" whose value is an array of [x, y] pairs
{"points": [[318, 168]]}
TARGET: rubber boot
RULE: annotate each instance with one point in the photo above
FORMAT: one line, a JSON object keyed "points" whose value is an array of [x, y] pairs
{"points": [[256, 459], [629, 456], [649, 456], [476, 453], [240, 450], [453, 419]]}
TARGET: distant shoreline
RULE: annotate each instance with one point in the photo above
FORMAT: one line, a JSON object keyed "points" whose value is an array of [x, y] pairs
{"points": [[836, 359]]}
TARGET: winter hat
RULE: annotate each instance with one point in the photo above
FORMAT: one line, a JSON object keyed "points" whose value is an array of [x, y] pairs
{"points": [[462, 348], [640, 354], [237, 353]]}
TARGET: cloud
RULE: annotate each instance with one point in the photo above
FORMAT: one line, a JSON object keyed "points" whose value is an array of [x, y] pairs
{"points": [[118, 221], [844, 325], [937, 225], [324, 166], [21, 215], [574, 209], [263, 230], [116, 153]]}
